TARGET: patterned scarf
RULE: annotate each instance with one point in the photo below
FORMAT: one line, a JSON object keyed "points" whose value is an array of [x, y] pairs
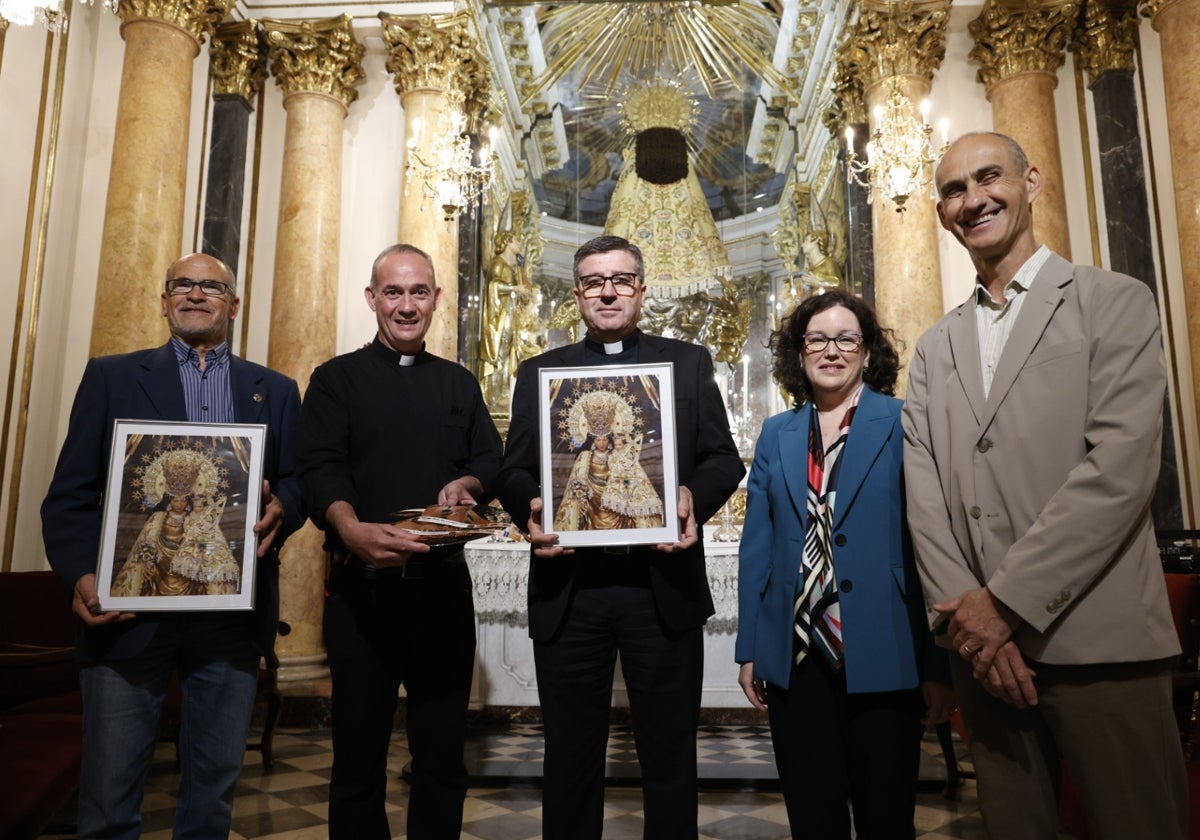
{"points": [[818, 617]]}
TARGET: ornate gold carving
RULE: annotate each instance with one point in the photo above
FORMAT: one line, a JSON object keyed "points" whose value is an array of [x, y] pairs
{"points": [[315, 56], [436, 52], [1027, 38], [1105, 41], [663, 104], [885, 42], [849, 104], [196, 17], [239, 60]]}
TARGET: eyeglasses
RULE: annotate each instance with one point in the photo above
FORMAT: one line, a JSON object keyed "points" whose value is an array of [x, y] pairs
{"points": [[184, 286], [847, 342], [624, 284]]}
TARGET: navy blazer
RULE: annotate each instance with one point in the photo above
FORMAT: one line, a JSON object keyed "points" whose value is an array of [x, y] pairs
{"points": [[883, 622], [145, 385], [708, 462]]}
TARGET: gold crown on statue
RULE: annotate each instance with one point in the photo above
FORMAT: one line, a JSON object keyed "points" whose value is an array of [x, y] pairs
{"points": [[598, 413], [181, 468], [658, 105]]}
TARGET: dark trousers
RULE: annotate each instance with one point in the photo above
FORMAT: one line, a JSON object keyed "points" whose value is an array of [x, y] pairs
{"points": [[831, 746], [381, 632], [1113, 725], [662, 673]]}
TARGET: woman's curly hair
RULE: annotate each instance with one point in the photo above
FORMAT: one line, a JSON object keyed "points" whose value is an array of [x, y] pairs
{"points": [[787, 345]]}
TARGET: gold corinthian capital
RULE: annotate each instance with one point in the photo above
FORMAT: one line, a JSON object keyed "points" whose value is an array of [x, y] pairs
{"points": [[438, 53], [1028, 37], [1105, 40], [886, 41], [239, 60], [197, 17], [315, 56]]}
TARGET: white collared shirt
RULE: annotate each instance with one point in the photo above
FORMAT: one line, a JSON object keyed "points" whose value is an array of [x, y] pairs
{"points": [[995, 320]]}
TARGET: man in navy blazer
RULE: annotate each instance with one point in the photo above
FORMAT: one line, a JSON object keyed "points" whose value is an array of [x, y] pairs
{"points": [[649, 603], [127, 659]]}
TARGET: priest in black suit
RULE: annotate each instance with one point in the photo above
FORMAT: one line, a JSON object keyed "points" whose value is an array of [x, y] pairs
{"points": [[647, 603]]}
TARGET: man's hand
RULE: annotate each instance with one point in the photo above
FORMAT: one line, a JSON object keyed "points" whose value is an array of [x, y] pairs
{"points": [[1010, 679], [940, 701], [687, 524], [461, 491], [756, 691], [380, 545], [85, 603], [272, 520], [979, 625], [544, 545]]}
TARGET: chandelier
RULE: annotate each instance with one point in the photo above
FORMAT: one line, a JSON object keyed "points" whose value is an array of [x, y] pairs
{"points": [[51, 14], [449, 172], [899, 151]]}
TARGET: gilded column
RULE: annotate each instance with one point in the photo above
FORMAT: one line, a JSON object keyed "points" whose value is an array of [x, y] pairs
{"points": [[239, 68], [316, 63], [143, 213], [1177, 23], [1020, 49], [438, 72], [889, 48]]}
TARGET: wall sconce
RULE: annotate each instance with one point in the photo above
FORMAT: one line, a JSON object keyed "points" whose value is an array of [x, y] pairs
{"points": [[448, 170], [899, 151]]}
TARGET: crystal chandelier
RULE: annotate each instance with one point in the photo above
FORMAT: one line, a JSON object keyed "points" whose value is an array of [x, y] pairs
{"points": [[448, 170], [899, 151], [51, 14]]}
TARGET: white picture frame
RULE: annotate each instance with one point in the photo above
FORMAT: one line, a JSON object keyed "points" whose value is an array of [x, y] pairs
{"points": [[180, 506]]}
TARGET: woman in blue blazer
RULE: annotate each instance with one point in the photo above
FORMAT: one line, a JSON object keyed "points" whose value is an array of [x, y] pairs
{"points": [[832, 638]]}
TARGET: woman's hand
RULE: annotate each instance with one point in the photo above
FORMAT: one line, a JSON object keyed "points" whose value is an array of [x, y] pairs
{"points": [[756, 689]]}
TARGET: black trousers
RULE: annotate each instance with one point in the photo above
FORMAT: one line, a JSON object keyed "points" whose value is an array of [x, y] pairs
{"points": [[662, 673], [382, 630], [831, 746]]}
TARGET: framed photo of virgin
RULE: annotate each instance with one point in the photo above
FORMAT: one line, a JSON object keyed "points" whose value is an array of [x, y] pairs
{"points": [[179, 513], [609, 474]]}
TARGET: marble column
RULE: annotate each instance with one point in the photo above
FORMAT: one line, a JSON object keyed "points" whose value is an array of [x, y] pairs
{"points": [[438, 72], [1105, 50], [316, 63], [239, 67], [1177, 22], [1020, 49], [143, 213], [904, 48], [850, 113]]}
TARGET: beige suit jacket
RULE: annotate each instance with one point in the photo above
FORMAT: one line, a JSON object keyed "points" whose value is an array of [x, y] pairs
{"points": [[1042, 490]]}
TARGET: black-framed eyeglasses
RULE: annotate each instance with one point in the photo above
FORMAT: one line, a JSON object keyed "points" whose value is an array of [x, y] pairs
{"points": [[184, 286], [847, 342], [624, 284]]}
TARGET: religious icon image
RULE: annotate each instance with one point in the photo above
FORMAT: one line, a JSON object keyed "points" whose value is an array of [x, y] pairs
{"points": [[178, 518], [608, 455]]}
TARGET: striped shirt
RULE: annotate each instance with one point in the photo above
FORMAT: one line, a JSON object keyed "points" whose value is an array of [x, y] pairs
{"points": [[995, 320], [207, 394]]}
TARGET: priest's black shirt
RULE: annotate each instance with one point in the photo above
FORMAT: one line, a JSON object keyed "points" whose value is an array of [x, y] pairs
{"points": [[384, 436]]}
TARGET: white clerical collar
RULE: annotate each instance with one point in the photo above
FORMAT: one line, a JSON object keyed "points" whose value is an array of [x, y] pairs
{"points": [[614, 348], [406, 361]]}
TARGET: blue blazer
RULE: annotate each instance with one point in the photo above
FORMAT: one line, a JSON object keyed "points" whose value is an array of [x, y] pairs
{"points": [[144, 385], [883, 614]]}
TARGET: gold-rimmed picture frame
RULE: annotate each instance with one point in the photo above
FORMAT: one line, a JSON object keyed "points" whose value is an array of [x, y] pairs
{"points": [[609, 470], [179, 512]]}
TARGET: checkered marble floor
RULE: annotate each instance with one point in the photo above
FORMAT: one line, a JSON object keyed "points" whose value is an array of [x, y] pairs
{"points": [[738, 799]]}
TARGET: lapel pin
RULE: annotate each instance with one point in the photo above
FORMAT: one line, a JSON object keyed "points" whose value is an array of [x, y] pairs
{"points": [[258, 397]]}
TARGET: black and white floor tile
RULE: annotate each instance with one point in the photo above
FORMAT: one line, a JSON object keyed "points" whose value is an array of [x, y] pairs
{"points": [[739, 797]]}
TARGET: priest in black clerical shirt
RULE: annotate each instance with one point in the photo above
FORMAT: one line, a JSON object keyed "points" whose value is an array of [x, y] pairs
{"points": [[385, 428], [647, 603]]}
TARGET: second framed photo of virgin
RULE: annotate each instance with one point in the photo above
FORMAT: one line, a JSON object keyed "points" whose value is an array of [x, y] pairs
{"points": [[609, 475], [179, 513]]}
